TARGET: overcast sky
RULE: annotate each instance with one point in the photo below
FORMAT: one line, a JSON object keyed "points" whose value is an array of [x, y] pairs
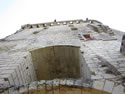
{"points": [[14, 13]]}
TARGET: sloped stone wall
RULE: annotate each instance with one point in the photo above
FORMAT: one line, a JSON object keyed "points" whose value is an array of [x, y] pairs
{"points": [[16, 69]]}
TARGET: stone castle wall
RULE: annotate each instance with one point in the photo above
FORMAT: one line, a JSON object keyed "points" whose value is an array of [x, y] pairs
{"points": [[16, 69]]}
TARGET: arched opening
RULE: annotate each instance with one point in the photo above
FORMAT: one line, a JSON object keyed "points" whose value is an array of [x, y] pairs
{"points": [[65, 90]]}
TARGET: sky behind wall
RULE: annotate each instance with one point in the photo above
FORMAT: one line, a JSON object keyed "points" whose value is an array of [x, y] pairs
{"points": [[14, 13]]}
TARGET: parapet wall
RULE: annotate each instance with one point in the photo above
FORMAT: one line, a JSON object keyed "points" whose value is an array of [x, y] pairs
{"points": [[48, 24]]}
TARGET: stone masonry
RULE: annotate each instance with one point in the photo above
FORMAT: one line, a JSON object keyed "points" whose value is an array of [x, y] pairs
{"points": [[42, 59]]}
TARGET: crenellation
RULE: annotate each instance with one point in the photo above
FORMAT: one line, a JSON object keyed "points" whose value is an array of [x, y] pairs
{"points": [[30, 26]]}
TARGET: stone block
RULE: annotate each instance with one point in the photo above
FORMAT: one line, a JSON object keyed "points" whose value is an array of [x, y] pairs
{"points": [[108, 86], [63, 82], [118, 90], [8, 77], [69, 82], [98, 85]]}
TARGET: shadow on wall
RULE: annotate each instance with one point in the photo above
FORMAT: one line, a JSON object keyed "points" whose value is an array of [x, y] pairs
{"points": [[61, 61]]}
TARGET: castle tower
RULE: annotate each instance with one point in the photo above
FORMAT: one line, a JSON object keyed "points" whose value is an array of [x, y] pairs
{"points": [[63, 57]]}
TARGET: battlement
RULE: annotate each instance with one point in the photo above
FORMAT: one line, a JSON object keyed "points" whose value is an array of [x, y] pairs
{"points": [[48, 24], [58, 23]]}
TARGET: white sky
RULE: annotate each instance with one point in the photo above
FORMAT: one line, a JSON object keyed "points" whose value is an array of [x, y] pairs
{"points": [[14, 13]]}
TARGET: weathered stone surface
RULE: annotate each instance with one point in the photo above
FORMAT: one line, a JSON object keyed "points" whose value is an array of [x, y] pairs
{"points": [[55, 62], [109, 85], [98, 85], [96, 61], [118, 90], [122, 48]]}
